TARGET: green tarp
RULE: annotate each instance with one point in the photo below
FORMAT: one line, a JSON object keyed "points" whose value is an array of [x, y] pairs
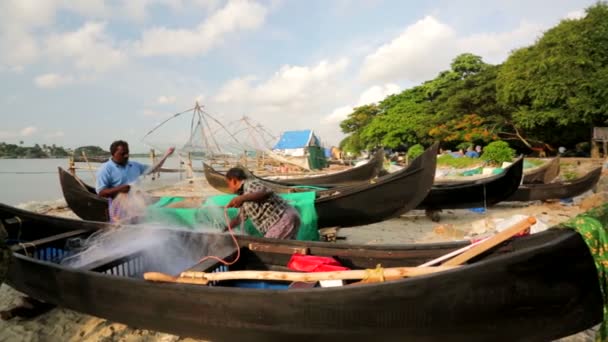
{"points": [[212, 214]]}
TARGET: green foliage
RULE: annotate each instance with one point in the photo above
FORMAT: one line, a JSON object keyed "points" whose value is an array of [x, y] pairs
{"points": [[551, 92], [352, 143], [415, 151], [569, 175], [561, 81], [498, 152], [458, 163], [402, 121], [359, 118], [463, 146], [16, 151], [91, 151]]}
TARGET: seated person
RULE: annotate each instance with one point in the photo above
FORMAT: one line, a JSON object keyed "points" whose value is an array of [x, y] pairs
{"points": [[457, 154], [115, 175], [269, 213], [471, 153]]}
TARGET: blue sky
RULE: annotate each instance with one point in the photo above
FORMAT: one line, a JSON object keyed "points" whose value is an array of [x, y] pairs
{"points": [[78, 73]]}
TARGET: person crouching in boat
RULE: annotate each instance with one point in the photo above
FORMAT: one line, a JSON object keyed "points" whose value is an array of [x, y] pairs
{"points": [[270, 214]]}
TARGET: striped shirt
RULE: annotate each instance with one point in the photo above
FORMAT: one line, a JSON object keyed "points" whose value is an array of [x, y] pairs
{"points": [[266, 213]]}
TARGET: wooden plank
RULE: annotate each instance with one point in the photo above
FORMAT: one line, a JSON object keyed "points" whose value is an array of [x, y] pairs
{"points": [[277, 249], [45, 241], [491, 242]]}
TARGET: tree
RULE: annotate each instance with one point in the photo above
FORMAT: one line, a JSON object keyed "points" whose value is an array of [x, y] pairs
{"points": [[359, 118], [403, 120], [558, 87]]}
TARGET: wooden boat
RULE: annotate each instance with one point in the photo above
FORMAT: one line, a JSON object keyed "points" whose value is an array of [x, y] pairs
{"points": [[482, 192], [354, 175], [543, 174], [557, 190], [345, 206], [82, 198], [535, 288]]}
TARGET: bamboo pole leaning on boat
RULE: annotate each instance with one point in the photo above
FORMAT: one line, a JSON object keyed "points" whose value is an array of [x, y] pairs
{"points": [[379, 273]]}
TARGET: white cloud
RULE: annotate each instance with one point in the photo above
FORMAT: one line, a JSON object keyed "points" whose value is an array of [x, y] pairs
{"points": [[151, 113], [377, 93], [576, 14], [414, 55], [428, 46], [28, 131], [166, 99], [289, 85], [90, 48], [495, 47], [19, 18], [56, 134], [338, 114], [235, 16], [371, 95], [52, 80]]}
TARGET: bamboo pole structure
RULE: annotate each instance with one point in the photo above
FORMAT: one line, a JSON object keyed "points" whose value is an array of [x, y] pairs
{"points": [[84, 155]]}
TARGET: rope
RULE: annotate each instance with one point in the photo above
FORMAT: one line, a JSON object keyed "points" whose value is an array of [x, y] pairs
{"points": [[165, 121], [236, 243], [23, 246], [375, 275]]}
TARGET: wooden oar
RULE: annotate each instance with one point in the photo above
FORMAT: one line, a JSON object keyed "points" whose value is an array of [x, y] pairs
{"points": [[381, 273], [491, 242], [451, 254]]}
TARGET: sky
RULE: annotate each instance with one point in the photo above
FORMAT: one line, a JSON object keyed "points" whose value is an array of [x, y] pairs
{"points": [[88, 72]]}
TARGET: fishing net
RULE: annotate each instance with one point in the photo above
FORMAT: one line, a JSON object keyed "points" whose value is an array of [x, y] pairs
{"points": [[201, 135]]}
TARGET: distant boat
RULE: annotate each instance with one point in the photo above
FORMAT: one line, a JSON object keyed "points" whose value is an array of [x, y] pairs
{"points": [[557, 190], [543, 174]]}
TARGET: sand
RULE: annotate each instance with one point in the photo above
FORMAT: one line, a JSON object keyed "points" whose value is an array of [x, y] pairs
{"points": [[66, 325]]}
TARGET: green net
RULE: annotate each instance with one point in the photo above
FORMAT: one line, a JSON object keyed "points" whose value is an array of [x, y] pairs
{"points": [[212, 214]]}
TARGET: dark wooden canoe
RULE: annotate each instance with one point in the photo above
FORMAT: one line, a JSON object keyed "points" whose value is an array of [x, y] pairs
{"points": [[481, 192], [557, 190], [354, 175], [536, 288], [82, 198], [543, 174], [345, 206]]}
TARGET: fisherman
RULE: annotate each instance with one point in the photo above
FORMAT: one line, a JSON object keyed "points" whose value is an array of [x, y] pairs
{"points": [[115, 175], [270, 214]]}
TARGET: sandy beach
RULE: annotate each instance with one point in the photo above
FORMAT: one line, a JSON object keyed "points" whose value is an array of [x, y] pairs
{"points": [[66, 325]]}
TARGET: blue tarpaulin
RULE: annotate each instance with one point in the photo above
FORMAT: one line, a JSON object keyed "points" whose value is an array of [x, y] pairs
{"points": [[296, 139]]}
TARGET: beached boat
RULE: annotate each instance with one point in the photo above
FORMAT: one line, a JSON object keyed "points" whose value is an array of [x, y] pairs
{"points": [[345, 206], [82, 198], [557, 190], [481, 192], [543, 174], [535, 288], [356, 175]]}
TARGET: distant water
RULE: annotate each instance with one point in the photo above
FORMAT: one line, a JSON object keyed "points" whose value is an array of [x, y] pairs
{"points": [[25, 180]]}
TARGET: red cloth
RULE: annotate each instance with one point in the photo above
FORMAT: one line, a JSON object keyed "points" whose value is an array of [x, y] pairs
{"points": [[313, 263]]}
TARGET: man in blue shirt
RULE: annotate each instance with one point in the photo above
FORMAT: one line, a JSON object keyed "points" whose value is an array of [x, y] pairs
{"points": [[115, 175]]}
